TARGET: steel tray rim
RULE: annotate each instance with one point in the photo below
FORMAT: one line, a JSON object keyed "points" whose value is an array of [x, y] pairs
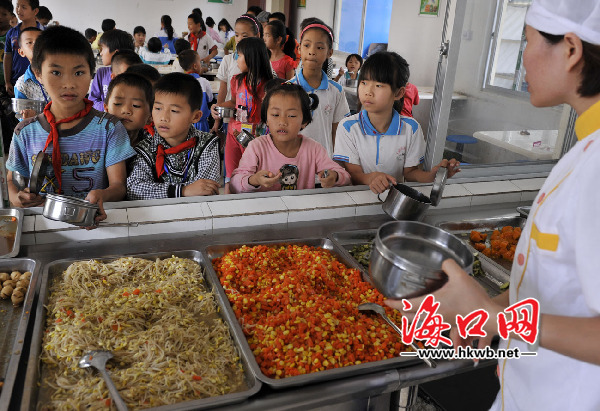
{"points": [[33, 367], [316, 377]]}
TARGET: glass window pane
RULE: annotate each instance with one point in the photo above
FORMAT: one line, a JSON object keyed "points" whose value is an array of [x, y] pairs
{"points": [[350, 24]]}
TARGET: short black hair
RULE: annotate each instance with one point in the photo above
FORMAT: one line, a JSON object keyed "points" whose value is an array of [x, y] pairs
{"points": [[386, 67], [44, 13], [132, 80], [255, 9], [313, 20], [139, 29], [128, 57], [183, 85], [108, 24], [197, 11], [7, 5], [117, 40], [210, 22], [356, 56], [89, 33], [25, 30], [308, 102], [187, 58], [590, 81], [34, 4], [279, 16], [181, 45], [145, 70], [61, 40], [154, 45]]}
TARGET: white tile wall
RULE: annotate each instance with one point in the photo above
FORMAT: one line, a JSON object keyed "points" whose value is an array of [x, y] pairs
{"points": [[316, 201], [529, 184], [28, 223], [80, 234], [320, 214], [496, 198], [250, 206], [170, 227], [364, 197], [491, 187], [249, 220], [166, 213], [455, 190]]}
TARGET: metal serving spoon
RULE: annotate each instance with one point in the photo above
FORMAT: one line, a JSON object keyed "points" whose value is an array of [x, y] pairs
{"points": [[380, 310], [98, 359]]}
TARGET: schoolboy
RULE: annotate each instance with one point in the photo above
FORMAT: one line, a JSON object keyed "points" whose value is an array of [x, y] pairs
{"points": [[180, 45], [145, 70], [154, 53], [90, 35], [44, 16], [27, 85], [88, 148], [139, 38], [107, 25], [14, 64], [190, 62], [175, 159], [6, 9], [121, 61], [111, 42], [130, 98]]}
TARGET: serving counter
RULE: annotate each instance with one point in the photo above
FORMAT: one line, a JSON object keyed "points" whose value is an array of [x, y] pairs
{"points": [[379, 389]]}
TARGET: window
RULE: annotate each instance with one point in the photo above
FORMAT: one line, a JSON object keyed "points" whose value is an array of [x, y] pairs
{"points": [[505, 64]]}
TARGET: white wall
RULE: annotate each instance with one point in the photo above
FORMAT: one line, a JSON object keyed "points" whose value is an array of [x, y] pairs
{"points": [[81, 14], [417, 39], [322, 9]]}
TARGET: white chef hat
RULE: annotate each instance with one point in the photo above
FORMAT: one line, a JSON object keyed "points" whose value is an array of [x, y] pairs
{"points": [[581, 17]]}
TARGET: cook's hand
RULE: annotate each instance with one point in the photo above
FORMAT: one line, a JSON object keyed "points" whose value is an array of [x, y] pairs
{"points": [[202, 187], [95, 197], [380, 182], [264, 178], [27, 199], [460, 295], [452, 165], [328, 181]]}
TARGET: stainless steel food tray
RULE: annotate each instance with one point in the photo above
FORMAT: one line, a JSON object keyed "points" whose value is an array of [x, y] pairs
{"points": [[215, 251], [56, 268], [499, 269], [18, 214], [13, 325], [347, 240]]}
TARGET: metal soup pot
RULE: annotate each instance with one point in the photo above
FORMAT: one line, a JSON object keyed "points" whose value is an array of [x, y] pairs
{"points": [[225, 112], [244, 138], [70, 210], [405, 203], [407, 257]]}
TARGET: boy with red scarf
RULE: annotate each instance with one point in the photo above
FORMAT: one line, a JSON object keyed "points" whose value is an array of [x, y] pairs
{"points": [[175, 159], [200, 42], [88, 148]]}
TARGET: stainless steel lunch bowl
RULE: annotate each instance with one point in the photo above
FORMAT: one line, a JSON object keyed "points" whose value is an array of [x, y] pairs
{"points": [[405, 203], [407, 257], [70, 210], [225, 112], [19, 104], [352, 82], [244, 138]]}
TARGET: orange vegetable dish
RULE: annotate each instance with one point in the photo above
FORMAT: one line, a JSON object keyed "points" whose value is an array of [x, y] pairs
{"points": [[298, 308], [503, 243]]}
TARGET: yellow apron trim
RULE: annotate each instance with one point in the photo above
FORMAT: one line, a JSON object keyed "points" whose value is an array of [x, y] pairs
{"points": [[544, 241], [588, 122], [525, 268]]}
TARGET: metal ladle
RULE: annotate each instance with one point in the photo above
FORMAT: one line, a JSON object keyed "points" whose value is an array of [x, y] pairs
{"points": [[98, 359], [380, 310]]}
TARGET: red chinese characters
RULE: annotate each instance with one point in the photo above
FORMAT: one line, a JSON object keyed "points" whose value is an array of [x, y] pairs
{"points": [[476, 330], [524, 320], [429, 328]]}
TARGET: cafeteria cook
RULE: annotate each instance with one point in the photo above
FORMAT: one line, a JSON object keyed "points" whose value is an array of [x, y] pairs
{"points": [[557, 260]]}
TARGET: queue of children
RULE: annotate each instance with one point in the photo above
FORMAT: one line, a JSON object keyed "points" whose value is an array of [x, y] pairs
{"points": [[142, 135]]}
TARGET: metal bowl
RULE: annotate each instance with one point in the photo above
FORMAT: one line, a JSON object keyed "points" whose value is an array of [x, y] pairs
{"points": [[244, 138], [225, 112], [407, 257], [20, 104], [405, 203], [70, 210], [352, 82]]}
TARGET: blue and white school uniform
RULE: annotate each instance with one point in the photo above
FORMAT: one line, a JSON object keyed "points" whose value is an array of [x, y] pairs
{"points": [[358, 142], [164, 39], [333, 107]]}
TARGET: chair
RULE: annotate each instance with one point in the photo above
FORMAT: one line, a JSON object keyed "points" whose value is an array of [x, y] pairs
{"points": [[461, 140]]}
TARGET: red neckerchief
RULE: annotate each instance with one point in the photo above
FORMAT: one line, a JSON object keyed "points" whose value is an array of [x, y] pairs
{"points": [[194, 40], [149, 128], [53, 136], [161, 152]]}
